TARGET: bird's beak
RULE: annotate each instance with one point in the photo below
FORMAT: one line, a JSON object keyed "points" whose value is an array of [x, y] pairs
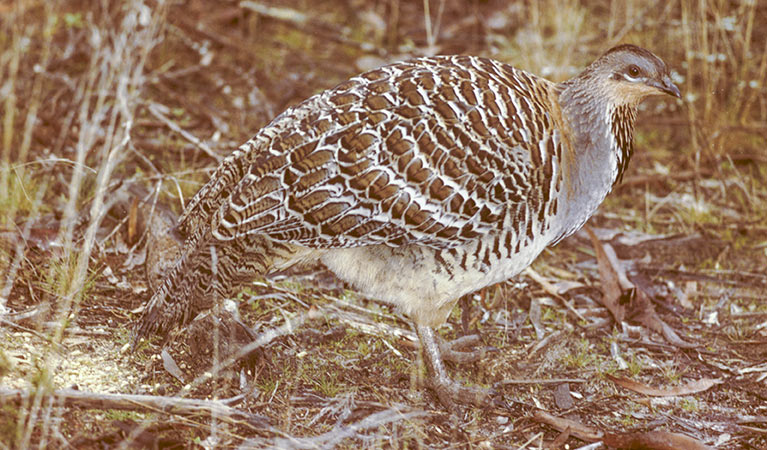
{"points": [[666, 86]]}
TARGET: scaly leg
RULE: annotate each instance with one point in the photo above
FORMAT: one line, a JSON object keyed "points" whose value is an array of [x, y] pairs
{"points": [[448, 391]]}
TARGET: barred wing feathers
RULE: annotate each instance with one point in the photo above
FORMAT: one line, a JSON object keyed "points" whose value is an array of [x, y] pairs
{"points": [[435, 151]]}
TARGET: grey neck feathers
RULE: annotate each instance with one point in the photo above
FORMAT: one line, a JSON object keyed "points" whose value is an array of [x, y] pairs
{"points": [[602, 140]]}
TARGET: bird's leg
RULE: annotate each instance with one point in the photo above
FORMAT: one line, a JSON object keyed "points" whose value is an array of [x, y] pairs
{"points": [[448, 391]]}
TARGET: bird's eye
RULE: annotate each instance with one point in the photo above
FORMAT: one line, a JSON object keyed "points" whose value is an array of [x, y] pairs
{"points": [[633, 71]]}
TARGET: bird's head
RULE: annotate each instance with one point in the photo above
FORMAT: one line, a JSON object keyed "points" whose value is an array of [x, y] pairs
{"points": [[628, 74]]}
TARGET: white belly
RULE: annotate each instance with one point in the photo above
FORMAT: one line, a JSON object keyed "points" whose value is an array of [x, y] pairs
{"points": [[424, 283]]}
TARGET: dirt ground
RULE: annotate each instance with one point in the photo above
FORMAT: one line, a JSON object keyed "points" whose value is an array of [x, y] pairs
{"points": [[679, 248]]}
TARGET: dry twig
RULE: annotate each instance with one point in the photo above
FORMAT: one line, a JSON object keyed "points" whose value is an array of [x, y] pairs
{"points": [[135, 402]]}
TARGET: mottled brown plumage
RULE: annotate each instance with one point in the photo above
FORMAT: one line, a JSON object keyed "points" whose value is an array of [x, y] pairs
{"points": [[417, 183]]}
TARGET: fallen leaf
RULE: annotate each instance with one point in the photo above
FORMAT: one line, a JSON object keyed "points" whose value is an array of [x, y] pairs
{"points": [[535, 318], [577, 429], [170, 365], [654, 440], [133, 222], [562, 396], [611, 286], [687, 389], [643, 312], [615, 282]]}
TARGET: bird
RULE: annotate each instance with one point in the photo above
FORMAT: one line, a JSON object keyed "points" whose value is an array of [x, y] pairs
{"points": [[416, 183]]}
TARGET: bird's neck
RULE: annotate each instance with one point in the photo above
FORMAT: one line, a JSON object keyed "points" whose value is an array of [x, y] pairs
{"points": [[602, 133]]}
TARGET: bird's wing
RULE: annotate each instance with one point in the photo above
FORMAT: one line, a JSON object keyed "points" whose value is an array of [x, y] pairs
{"points": [[432, 151]]}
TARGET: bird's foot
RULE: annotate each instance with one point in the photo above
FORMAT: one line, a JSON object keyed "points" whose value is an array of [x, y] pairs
{"points": [[450, 392], [453, 350]]}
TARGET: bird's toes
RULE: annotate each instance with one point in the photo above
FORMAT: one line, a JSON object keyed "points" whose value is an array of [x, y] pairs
{"points": [[451, 393], [453, 351]]}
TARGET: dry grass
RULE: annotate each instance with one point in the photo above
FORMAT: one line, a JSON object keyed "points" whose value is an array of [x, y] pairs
{"points": [[99, 98], [102, 92]]}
